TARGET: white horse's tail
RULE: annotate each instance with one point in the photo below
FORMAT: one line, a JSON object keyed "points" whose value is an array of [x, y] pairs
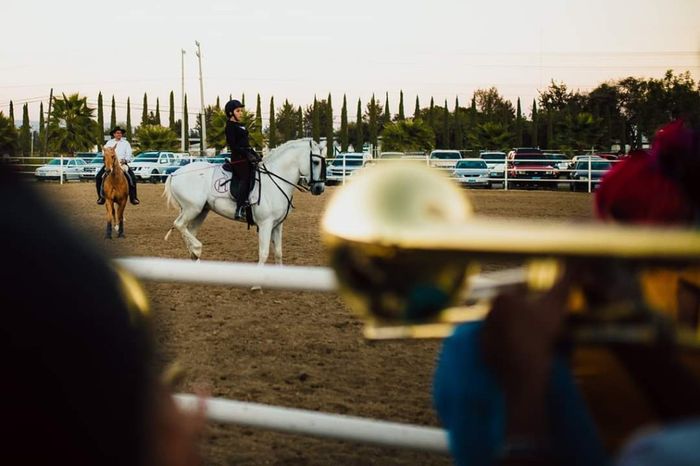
{"points": [[170, 201]]}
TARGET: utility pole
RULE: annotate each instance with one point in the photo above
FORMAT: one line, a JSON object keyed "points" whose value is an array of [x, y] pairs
{"points": [[203, 119], [182, 122], [48, 120]]}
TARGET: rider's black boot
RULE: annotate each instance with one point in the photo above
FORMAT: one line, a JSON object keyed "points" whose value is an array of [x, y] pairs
{"points": [[240, 213]]}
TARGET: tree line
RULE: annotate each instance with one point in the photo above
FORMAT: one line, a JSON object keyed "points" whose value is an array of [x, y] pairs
{"points": [[623, 113]]}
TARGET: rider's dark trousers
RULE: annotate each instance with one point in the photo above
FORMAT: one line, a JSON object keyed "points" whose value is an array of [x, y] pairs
{"points": [[243, 170]]}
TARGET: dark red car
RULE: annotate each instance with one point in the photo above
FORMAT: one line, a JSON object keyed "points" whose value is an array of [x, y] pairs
{"points": [[530, 167]]}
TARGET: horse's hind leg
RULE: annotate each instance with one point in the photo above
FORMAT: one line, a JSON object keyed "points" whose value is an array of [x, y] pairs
{"points": [[264, 241], [182, 222], [277, 243]]}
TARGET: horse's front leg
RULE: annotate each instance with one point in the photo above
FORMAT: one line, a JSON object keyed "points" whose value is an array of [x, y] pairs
{"points": [[264, 236], [120, 216], [277, 243], [110, 216]]}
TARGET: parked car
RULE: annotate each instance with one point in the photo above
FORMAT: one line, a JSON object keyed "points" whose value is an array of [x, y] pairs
{"points": [[559, 161], [583, 169], [344, 164], [150, 166], [93, 166], [186, 161], [444, 158], [493, 158], [70, 170], [531, 166], [472, 172]]}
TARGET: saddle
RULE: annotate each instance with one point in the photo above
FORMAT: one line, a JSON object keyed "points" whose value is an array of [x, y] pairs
{"points": [[234, 182]]}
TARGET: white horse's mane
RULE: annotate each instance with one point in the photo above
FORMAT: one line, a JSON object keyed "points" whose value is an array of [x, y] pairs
{"points": [[280, 149]]}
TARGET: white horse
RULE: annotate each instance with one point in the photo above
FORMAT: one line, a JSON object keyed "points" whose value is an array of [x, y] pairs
{"points": [[198, 188]]}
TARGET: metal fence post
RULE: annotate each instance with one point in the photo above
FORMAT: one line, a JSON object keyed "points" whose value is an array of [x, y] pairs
{"points": [[60, 169], [589, 174]]}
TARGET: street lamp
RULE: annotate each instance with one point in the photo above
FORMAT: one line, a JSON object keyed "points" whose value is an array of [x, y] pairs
{"points": [[203, 119]]}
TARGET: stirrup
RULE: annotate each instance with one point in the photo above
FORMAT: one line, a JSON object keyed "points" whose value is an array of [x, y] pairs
{"points": [[134, 200], [241, 213]]}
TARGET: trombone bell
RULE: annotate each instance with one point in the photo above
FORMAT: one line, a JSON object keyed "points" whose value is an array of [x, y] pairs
{"points": [[404, 242]]}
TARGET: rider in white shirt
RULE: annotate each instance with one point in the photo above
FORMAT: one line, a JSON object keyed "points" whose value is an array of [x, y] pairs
{"points": [[124, 153]]}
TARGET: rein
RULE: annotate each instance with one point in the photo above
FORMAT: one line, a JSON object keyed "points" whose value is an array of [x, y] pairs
{"points": [[263, 170]]}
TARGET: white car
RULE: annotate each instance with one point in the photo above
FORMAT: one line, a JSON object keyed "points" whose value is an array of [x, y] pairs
{"points": [[472, 172], [54, 170], [150, 166], [345, 162], [444, 158], [493, 158]]}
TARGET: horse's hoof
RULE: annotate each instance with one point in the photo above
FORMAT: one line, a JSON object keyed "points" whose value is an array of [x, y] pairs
{"points": [[256, 288], [121, 235]]}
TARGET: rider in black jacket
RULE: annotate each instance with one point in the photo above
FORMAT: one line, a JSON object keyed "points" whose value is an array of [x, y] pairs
{"points": [[243, 157]]}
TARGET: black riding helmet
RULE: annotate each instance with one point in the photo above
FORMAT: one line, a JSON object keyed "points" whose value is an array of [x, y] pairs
{"points": [[232, 105]]}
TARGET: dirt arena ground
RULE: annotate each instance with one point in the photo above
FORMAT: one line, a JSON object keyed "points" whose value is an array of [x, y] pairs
{"points": [[293, 349]]}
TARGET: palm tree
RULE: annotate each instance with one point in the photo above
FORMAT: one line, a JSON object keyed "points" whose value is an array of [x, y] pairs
{"points": [[156, 137], [8, 136], [72, 126], [216, 133]]}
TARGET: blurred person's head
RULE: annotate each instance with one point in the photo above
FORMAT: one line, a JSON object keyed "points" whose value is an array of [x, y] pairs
{"points": [[79, 384]]}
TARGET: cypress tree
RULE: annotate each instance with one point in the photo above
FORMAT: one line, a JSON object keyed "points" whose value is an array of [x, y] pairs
{"points": [[12, 114], [401, 115], [144, 113], [519, 125], [171, 112], [113, 115], [446, 127], [330, 147], [416, 112], [315, 122], [243, 99], [372, 125], [272, 140], [218, 104], [100, 136], [535, 141], [157, 111], [387, 113], [344, 135], [431, 109], [300, 123], [359, 137], [258, 114], [459, 133], [128, 118], [186, 117], [25, 133]]}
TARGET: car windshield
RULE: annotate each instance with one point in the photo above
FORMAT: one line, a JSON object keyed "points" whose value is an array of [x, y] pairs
{"points": [[98, 160], [530, 159], [557, 157], [471, 164], [216, 160], [147, 157], [58, 162], [501, 156], [445, 155], [348, 162], [594, 165]]}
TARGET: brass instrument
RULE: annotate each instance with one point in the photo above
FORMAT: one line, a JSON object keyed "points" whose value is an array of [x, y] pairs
{"points": [[404, 242]]}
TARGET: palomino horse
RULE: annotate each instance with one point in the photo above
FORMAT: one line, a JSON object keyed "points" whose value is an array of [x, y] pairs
{"points": [[198, 188], [116, 192]]}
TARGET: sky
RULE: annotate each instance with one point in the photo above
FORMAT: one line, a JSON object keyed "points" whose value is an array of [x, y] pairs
{"points": [[294, 50]]}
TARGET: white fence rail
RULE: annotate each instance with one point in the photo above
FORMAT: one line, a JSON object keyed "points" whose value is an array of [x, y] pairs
{"points": [[290, 420], [334, 426]]}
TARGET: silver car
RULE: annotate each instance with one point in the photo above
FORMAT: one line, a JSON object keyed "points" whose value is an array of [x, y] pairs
{"points": [[91, 169], [54, 170], [472, 172]]}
